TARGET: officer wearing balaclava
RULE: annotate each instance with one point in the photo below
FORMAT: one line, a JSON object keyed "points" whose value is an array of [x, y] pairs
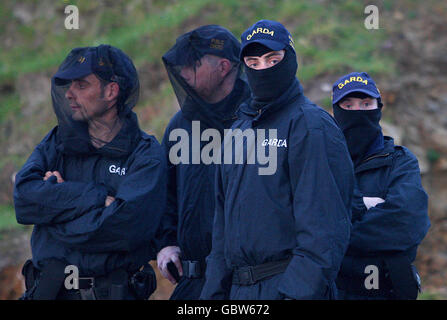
{"points": [[94, 188], [389, 214], [280, 235], [205, 72]]}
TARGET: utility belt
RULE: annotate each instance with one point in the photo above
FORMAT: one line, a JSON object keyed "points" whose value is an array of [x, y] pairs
{"points": [[49, 283], [397, 277], [249, 275], [193, 269]]}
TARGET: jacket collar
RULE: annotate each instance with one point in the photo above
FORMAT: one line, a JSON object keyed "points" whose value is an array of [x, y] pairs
{"points": [[121, 145], [125, 141], [219, 115], [253, 111], [379, 159]]}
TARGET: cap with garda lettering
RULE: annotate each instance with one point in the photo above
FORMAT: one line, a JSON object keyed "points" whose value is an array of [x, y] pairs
{"points": [[354, 82], [269, 33]]}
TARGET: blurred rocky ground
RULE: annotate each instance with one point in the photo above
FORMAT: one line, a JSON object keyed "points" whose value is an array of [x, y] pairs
{"points": [[415, 114], [14, 251], [417, 95]]}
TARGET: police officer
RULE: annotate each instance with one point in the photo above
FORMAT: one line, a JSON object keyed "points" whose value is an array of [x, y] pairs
{"points": [[205, 72], [389, 215], [280, 235], [94, 188]]}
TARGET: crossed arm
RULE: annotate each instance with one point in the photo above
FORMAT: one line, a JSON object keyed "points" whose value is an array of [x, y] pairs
{"points": [[82, 215], [59, 179]]}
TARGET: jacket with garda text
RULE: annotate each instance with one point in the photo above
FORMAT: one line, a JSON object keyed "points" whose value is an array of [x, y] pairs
{"points": [[302, 211], [70, 219]]}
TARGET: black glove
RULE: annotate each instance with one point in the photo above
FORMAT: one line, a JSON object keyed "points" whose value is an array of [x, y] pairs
{"points": [[144, 282]]}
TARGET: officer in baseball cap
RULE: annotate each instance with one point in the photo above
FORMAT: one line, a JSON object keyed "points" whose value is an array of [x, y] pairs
{"points": [[281, 235], [95, 187], [270, 60], [389, 209], [205, 73], [204, 68], [109, 64], [362, 130]]}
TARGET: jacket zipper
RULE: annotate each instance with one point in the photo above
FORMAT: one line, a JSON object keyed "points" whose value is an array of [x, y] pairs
{"points": [[376, 156]]}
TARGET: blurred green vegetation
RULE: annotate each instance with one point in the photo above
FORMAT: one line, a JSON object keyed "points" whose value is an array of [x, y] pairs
{"points": [[9, 103], [7, 218], [433, 155], [330, 39], [330, 36], [430, 296]]}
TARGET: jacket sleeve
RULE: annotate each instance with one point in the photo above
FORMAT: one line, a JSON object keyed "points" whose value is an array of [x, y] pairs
{"points": [[132, 219], [218, 276], [167, 232], [47, 202], [400, 222], [358, 206], [322, 182]]}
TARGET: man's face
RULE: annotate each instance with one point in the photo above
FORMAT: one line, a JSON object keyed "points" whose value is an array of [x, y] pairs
{"points": [[86, 98], [205, 77], [351, 103], [265, 61]]}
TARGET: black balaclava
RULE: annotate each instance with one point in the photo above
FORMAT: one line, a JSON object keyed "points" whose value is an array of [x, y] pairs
{"points": [[361, 129], [269, 84]]}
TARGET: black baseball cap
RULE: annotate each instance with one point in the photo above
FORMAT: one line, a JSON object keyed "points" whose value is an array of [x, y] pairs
{"points": [[208, 39], [107, 62]]}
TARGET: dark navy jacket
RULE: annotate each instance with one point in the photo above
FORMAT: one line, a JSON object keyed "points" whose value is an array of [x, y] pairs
{"points": [[188, 220], [301, 211], [70, 218], [397, 225]]}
